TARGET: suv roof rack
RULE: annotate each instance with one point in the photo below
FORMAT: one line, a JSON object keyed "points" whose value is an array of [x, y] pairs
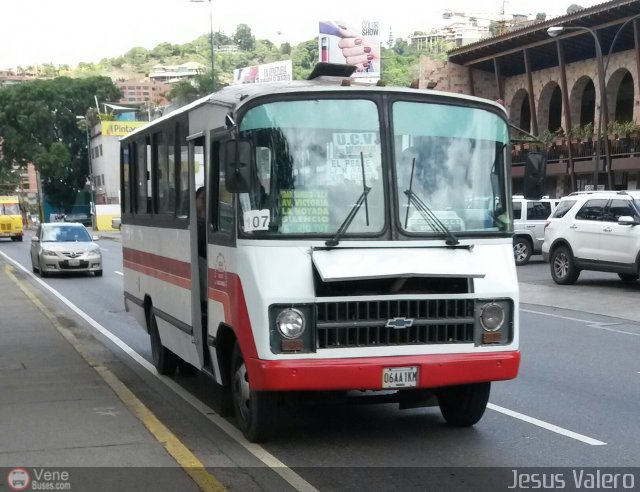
{"points": [[590, 192]]}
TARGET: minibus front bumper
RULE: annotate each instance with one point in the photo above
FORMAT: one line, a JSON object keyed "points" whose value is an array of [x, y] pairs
{"points": [[366, 373]]}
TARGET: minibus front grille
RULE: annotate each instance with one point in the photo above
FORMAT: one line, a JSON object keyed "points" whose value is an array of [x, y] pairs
{"points": [[394, 322]]}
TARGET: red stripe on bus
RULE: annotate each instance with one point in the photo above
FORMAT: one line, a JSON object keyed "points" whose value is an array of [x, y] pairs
{"points": [[185, 283], [226, 288], [171, 266], [169, 270]]}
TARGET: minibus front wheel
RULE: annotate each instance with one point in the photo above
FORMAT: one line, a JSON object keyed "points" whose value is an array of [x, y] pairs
{"points": [[255, 410], [464, 405]]}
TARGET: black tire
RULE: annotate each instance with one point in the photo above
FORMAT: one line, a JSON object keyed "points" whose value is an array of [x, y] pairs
{"points": [[563, 268], [186, 369], [98, 273], [522, 250], [464, 405], [255, 410], [163, 359], [628, 277]]}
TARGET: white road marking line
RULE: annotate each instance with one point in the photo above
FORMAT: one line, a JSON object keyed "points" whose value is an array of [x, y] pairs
{"points": [[256, 450], [118, 273], [546, 425], [592, 324]]}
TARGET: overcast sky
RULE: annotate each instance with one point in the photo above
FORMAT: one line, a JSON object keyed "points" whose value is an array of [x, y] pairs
{"points": [[71, 31]]}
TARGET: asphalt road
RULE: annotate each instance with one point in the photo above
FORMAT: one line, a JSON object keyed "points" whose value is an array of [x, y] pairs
{"points": [[574, 404]]}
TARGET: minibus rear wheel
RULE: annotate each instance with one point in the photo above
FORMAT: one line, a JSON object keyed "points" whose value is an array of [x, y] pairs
{"points": [[464, 405], [255, 410]]}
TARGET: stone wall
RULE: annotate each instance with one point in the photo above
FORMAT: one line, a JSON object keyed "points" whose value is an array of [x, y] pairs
{"points": [[452, 77]]}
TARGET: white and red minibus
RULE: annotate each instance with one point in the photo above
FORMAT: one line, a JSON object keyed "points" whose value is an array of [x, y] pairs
{"points": [[355, 238]]}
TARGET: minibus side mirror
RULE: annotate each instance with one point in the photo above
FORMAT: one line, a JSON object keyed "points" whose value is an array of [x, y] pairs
{"points": [[535, 170], [238, 166]]}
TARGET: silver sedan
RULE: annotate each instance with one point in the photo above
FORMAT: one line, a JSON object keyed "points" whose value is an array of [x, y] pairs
{"points": [[65, 248]]}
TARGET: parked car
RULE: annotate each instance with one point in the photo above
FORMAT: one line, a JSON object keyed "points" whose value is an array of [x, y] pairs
{"points": [[529, 218], [65, 247], [594, 231]]}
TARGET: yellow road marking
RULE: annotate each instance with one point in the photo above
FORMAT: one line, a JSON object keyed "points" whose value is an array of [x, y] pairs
{"points": [[183, 456]]}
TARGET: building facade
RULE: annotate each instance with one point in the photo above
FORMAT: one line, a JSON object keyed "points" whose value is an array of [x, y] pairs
{"points": [[143, 91], [550, 88]]}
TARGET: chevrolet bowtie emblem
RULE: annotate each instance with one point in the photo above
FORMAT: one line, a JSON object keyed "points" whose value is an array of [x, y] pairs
{"points": [[399, 323]]}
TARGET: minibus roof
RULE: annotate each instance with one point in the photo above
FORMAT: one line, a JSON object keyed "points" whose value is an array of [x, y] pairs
{"points": [[235, 95]]}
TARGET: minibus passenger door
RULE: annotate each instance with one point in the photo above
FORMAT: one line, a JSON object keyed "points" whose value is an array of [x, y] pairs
{"points": [[197, 179]]}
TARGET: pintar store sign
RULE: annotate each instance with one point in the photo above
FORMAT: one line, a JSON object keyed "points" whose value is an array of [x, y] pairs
{"points": [[120, 128]]}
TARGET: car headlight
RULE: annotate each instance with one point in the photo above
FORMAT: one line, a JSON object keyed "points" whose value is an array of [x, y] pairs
{"points": [[47, 252], [95, 251], [290, 323], [491, 316]]}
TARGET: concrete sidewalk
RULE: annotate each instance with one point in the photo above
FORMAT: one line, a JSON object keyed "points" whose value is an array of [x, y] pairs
{"points": [[58, 411]]}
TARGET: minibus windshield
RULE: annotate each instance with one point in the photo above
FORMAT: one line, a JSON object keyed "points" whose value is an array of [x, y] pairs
{"points": [[452, 159], [314, 159]]}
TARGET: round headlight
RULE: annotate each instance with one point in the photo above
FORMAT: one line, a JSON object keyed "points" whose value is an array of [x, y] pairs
{"points": [[290, 323], [491, 316]]}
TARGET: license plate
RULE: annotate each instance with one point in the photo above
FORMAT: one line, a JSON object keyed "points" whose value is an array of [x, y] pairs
{"points": [[74, 262], [400, 377]]}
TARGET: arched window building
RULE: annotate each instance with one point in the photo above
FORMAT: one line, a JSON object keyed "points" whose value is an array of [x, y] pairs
{"points": [[550, 88]]}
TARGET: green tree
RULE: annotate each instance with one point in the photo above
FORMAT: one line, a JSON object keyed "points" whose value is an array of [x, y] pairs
{"points": [[285, 49], [303, 58], [183, 92], [540, 16], [58, 174], [243, 38], [39, 125], [9, 180], [574, 7]]}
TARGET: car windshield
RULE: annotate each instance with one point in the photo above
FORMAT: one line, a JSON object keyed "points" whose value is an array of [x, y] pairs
{"points": [[9, 209], [314, 159], [65, 233], [453, 159]]}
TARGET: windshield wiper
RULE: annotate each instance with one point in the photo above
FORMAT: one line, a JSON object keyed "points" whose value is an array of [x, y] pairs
{"points": [[427, 214], [432, 219], [347, 221], [354, 210]]}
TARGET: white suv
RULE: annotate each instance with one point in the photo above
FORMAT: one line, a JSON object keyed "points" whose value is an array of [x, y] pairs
{"points": [[594, 231], [529, 218]]}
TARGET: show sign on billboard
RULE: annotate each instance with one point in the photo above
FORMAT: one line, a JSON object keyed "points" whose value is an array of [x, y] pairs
{"points": [[352, 44], [280, 71]]}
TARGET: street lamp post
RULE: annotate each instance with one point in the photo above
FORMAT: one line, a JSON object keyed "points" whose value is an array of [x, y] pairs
{"points": [[213, 51], [615, 38], [91, 183], [555, 31]]}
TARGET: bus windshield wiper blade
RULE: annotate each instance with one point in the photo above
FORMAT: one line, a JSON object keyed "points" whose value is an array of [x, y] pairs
{"points": [[431, 218], [347, 221]]}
